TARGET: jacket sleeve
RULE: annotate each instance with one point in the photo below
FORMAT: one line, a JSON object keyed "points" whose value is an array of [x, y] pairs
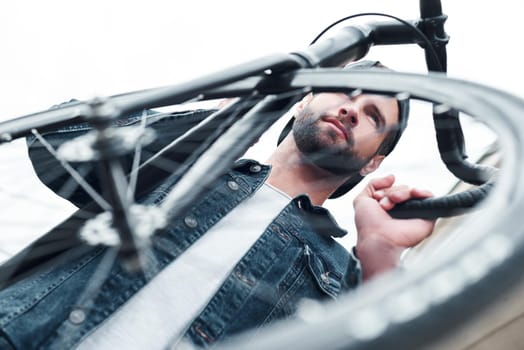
{"points": [[167, 127]]}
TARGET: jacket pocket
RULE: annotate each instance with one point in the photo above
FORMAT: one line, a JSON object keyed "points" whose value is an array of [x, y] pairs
{"points": [[328, 281]]}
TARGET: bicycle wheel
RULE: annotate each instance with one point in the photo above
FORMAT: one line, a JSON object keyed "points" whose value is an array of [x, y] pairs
{"points": [[47, 139]]}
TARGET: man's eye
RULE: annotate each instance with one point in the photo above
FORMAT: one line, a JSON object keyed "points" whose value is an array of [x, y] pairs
{"points": [[375, 118]]}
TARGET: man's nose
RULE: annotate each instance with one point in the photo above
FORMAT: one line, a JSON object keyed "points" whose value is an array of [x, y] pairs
{"points": [[348, 115]]}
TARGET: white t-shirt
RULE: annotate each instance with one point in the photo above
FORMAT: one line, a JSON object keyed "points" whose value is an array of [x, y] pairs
{"points": [[162, 310]]}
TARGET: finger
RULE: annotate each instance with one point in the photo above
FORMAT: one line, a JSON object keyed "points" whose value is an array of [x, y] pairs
{"points": [[399, 194], [378, 195], [375, 189], [386, 203], [374, 186], [381, 183], [418, 193]]}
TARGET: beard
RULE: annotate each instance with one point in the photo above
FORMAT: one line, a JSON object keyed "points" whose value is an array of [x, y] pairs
{"points": [[323, 148]]}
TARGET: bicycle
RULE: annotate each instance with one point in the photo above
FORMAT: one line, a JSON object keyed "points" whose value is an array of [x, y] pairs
{"points": [[283, 78]]}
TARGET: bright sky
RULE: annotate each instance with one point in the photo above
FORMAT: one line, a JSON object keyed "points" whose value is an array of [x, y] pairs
{"points": [[58, 49], [55, 50]]}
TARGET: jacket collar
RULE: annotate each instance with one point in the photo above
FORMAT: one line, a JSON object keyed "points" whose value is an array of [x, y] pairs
{"points": [[318, 216]]}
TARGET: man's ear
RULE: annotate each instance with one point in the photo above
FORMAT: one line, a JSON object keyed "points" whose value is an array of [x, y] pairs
{"points": [[372, 165], [303, 102]]}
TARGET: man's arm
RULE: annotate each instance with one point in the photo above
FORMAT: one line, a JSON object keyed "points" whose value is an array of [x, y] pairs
{"points": [[381, 239], [167, 127]]}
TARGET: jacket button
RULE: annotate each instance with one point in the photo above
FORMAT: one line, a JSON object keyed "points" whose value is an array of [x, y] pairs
{"points": [[77, 316], [233, 185], [255, 168], [324, 278], [190, 221]]}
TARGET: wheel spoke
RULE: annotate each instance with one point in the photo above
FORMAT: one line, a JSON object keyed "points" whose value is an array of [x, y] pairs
{"points": [[74, 174]]}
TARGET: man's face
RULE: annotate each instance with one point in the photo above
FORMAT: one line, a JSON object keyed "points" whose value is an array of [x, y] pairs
{"points": [[342, 134]]}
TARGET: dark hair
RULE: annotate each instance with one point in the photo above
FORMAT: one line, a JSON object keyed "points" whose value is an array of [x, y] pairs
{"points": [[392, 137], [389, 142]]}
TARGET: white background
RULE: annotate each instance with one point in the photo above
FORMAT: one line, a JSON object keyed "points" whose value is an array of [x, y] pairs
{"points": [[56, 50]]}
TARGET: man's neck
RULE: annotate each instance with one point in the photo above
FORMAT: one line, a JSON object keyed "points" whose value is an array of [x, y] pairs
{"points": [[294, 175]]}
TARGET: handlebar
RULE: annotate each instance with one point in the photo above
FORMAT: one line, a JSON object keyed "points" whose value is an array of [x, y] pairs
{"points": [[430, 8]]}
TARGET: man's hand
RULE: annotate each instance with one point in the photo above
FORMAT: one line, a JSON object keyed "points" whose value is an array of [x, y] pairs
{"points": [[381, 239]]}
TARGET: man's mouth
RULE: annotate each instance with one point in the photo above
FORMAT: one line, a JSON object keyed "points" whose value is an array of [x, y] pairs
{"points": [[338, 126]]}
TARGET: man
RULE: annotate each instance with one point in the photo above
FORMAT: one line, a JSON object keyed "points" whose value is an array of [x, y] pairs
{"points": [[334, 137], [245, 255]]}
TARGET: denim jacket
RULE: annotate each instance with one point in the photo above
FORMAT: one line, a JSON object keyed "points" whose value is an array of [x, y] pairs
{"points": [[295, 258]]}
